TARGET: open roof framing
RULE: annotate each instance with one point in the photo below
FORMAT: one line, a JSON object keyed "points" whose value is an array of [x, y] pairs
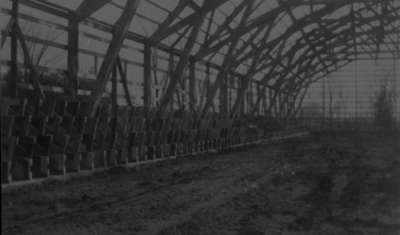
{"points": [[282, 44]]}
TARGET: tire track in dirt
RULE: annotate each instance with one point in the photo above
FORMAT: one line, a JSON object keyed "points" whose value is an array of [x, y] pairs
{"points": [[98, 206], [213, 170], [175, 220], [313, 197]]}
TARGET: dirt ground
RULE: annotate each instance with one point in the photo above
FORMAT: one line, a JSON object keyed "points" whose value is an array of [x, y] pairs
{"points": [[325, 184]]}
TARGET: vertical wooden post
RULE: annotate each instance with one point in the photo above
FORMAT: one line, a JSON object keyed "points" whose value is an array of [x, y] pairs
{"points": [[323, 100], [181, 65], [223, 96], [126, 67], [192, 86], [73, 45], [247, 88], [259, 93], [396, 88], [119, 31], [147, 78], [244, 100], [171, 67], [14, 50], [289, 103], [114, 104], [281, 107], [356, 89], [114, 92], [250, 99], [229, 98], [285, 102], [207, 89], [96, 65], [124, 81], [276, 104], [265, 101]]}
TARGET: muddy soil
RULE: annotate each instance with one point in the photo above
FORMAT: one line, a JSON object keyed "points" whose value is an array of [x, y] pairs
{"points": [[325, 184]]}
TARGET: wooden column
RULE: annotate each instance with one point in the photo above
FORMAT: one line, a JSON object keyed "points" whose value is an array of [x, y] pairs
{"points": [[207, 84], [114, 92], [96, 65], [265, 101], [182, 63], [147, 78], [114, 104], [241, 93], [276, 104], [245, 97], [119, 31], [223, 96], [73, 47], [34, 76], [259, 94], [171, 67], [192, 86], [14, 50], [124, 80]]}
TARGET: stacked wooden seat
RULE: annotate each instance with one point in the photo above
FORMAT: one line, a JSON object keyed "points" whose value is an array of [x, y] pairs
{"points": [[56, 135]]}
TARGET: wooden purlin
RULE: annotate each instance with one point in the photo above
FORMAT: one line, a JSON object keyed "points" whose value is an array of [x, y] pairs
{"points": [[124, 81], [192, 87], [259, 20], [120, 30], [337, 42], [384, 19], [167, 30], [311, 21], [299, 25], [73, 56], [293, 66], [184, 59], [14, 49], [147, 93], [88, 7], [227, 63], [182, 4], [34, 76], [225, 24], [251, 72], [47, 7], [305, 37]]}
